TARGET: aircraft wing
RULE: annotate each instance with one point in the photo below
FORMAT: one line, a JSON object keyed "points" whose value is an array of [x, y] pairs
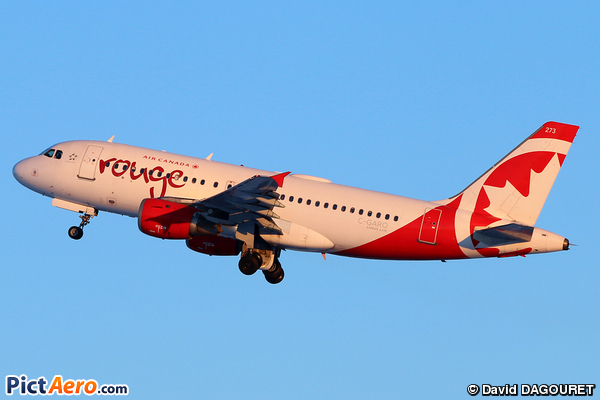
{"points": [[253, 199]]}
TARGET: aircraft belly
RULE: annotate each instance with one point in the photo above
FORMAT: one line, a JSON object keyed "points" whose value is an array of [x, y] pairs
{"points": [[297, 237]]}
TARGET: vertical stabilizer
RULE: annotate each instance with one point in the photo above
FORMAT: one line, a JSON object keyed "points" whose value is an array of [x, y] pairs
{"points": [[517, 186]]}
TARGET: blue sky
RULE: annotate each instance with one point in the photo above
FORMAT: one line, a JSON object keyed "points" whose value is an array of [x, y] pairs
{"points": [[411, 98]]}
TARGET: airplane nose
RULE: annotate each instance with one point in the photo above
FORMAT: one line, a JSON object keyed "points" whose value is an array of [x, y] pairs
{"points": [[23, 172], [18, 171]]}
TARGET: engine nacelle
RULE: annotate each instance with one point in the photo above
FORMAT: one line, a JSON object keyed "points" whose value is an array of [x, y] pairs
{"points": [[169, 220], [165, 219], [215, 245]]}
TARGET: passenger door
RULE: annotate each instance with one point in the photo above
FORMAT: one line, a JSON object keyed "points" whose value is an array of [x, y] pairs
{"points": [[87, 170]]}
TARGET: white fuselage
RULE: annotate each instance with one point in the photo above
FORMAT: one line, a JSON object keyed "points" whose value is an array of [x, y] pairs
{"points": [[318, 215]]}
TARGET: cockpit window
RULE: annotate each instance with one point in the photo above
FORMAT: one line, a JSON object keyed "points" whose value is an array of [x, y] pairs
{"points": [[49, 153], [58, 154]]}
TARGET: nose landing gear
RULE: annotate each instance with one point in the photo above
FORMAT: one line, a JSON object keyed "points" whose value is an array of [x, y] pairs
{"points": [[76, 232]]}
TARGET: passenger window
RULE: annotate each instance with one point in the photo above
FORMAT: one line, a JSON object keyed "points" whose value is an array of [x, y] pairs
{"points": [[282, 197], [317, 203], [300, 200], [343, 208], [168, 175], [334, 207], [396, 218], [151, 172], [378, 215], [193, 180], [125, 167], [325, 205], [202, 182], [352, 210], [216, 184], [185, 178], [291, 198], [58, 154], [387, 216], [116, 166], [360, 212], [370, 213], [159, 174], [308, 202], [107, 164]]}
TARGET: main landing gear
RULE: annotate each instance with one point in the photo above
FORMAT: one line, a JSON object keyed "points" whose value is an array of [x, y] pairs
{"points": [[275, 274], [76, 232], [252, 260]]}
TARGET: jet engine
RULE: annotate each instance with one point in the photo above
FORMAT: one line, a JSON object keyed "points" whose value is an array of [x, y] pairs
{"points": [[170, 220], [215, 245]]}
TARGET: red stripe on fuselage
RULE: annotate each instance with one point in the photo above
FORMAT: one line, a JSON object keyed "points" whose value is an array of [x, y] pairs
{"points": [[404, 244]]}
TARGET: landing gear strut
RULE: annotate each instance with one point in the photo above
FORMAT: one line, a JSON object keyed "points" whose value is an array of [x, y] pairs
{"points": [[76, 232]]}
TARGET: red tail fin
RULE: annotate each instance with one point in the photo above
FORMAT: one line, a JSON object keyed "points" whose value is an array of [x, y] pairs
{"points": [[517, 186]]}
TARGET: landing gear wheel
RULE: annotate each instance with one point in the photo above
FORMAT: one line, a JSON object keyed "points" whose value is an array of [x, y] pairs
{"points": [[276, 275], [75, 232], [250, 263]]}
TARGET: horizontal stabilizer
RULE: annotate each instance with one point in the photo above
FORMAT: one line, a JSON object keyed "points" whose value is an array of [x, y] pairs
{"points": [[504, 234]]}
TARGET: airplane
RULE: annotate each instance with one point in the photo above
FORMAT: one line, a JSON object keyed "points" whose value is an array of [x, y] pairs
{"points": [[230, 210]]}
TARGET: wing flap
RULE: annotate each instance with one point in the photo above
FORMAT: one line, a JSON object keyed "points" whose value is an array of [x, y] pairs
{"points": [[253, 199]]}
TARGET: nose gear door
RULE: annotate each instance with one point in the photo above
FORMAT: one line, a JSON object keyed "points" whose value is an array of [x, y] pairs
{"points": [[87, 170]]}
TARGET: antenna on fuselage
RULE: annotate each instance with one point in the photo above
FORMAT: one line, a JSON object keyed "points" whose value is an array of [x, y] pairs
{"points": [[209, 156], [111, 139]]}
